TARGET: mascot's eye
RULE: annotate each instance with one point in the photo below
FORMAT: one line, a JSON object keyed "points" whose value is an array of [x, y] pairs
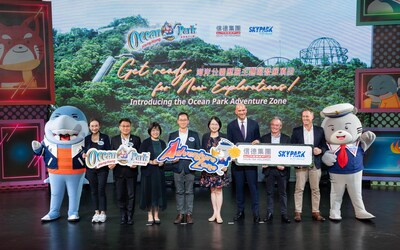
{"points": [[346, 127], [332, 129], [370, 88], [75, 116]]}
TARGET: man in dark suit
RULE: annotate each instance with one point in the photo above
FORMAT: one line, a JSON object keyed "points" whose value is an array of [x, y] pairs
{"points": [[280, 174], [125, 176], [311, 135], [244, 129], [183, 177]]}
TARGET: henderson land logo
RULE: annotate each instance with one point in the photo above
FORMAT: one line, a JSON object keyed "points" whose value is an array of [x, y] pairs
{"points": [[138, 40], [228, 30]]}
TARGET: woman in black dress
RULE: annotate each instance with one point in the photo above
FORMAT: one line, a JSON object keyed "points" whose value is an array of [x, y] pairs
{"points": [[214, 181], [97, 177], [153, 196]]}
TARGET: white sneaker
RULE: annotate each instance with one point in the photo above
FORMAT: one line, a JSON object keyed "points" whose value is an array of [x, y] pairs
{"points": [[46, 218], [95, 218], [73, 218], [102, 217]]}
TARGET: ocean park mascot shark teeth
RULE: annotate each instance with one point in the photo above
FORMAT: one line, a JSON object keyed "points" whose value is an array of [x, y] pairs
{"points": [[62, 153], [344, 156]]}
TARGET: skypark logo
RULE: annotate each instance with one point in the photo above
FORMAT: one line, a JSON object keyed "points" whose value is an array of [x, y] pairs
{"points": [[292, 154], [138, 40], [262, 30]]}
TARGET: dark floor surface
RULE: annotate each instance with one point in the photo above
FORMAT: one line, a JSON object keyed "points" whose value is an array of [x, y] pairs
{"points": [[20, 213]]}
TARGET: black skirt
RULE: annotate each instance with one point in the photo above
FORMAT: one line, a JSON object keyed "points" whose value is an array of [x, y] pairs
{"points": [[152, 189]]}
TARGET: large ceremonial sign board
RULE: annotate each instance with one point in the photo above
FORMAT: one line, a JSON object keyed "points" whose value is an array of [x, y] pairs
{"points": [[275, 154], [215, 162]]}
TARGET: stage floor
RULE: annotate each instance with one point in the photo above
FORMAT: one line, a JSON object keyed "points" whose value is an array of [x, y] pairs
{"points": [[20, 213]]}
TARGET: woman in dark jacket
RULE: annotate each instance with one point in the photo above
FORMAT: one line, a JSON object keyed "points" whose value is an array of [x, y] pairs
{"points": [[97, 177], [153, 196]]}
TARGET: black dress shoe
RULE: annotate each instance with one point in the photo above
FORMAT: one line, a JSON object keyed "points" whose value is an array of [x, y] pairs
{"points": [[130, 220], [256, 219], [268, 218], [239, 216], [123, 219], [285, 219]]}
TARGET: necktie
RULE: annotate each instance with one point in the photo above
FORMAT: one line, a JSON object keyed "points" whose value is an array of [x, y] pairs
{"points": [[243, 131], [342, 156]]}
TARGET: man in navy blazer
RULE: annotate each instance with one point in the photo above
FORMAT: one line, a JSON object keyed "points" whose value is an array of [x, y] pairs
{"points": [[183, 177], [280, 174], [311, 135], [125, 176], [244, 129]]}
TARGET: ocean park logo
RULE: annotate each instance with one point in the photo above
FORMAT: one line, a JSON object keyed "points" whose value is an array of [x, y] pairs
{"points": [[262, 30], [138, 40], [124, 155]]}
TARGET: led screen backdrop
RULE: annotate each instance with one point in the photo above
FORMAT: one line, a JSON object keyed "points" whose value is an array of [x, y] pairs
{"points": [[26, 54], [151, 60], [387, 165], [18, 165]]}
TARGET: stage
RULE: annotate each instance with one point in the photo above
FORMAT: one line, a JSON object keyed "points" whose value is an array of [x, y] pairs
{"points": [[20, 213]]}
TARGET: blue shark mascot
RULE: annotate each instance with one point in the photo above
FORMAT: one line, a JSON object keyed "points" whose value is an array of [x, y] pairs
{"points": [[344, 157], [62, 153]]}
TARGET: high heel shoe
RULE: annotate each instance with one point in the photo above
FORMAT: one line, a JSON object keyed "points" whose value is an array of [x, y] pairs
{"points": [[219, 220]]}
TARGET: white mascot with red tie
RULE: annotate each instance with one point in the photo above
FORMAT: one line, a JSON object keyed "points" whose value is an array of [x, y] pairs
{"points": [[346, 147]]}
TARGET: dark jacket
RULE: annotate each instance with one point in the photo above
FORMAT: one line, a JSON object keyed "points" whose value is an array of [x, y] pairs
{"points": [[319, 141], [285, 139], [125, 171], [102, 137], [192, 142], [147, 146]]}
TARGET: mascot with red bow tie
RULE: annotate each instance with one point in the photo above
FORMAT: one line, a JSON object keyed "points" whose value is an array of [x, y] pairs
{"points": [[62, 153], [346, 147]]}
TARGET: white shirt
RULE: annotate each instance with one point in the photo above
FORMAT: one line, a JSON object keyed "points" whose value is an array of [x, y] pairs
{"points": [[275, 139], [125, 141], [308, 135], [183, 137]]}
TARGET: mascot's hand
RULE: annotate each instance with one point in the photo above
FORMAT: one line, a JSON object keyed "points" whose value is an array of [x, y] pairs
{"points": [[36, 146], [329, 158], [366, 139]]}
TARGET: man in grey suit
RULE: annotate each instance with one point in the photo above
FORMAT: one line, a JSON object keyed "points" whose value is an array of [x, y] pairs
{"points": [[183, 177], [280, 174]]}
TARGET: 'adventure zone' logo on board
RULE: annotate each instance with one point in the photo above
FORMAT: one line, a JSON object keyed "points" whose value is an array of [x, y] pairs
{"points": [[138, 40]]}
